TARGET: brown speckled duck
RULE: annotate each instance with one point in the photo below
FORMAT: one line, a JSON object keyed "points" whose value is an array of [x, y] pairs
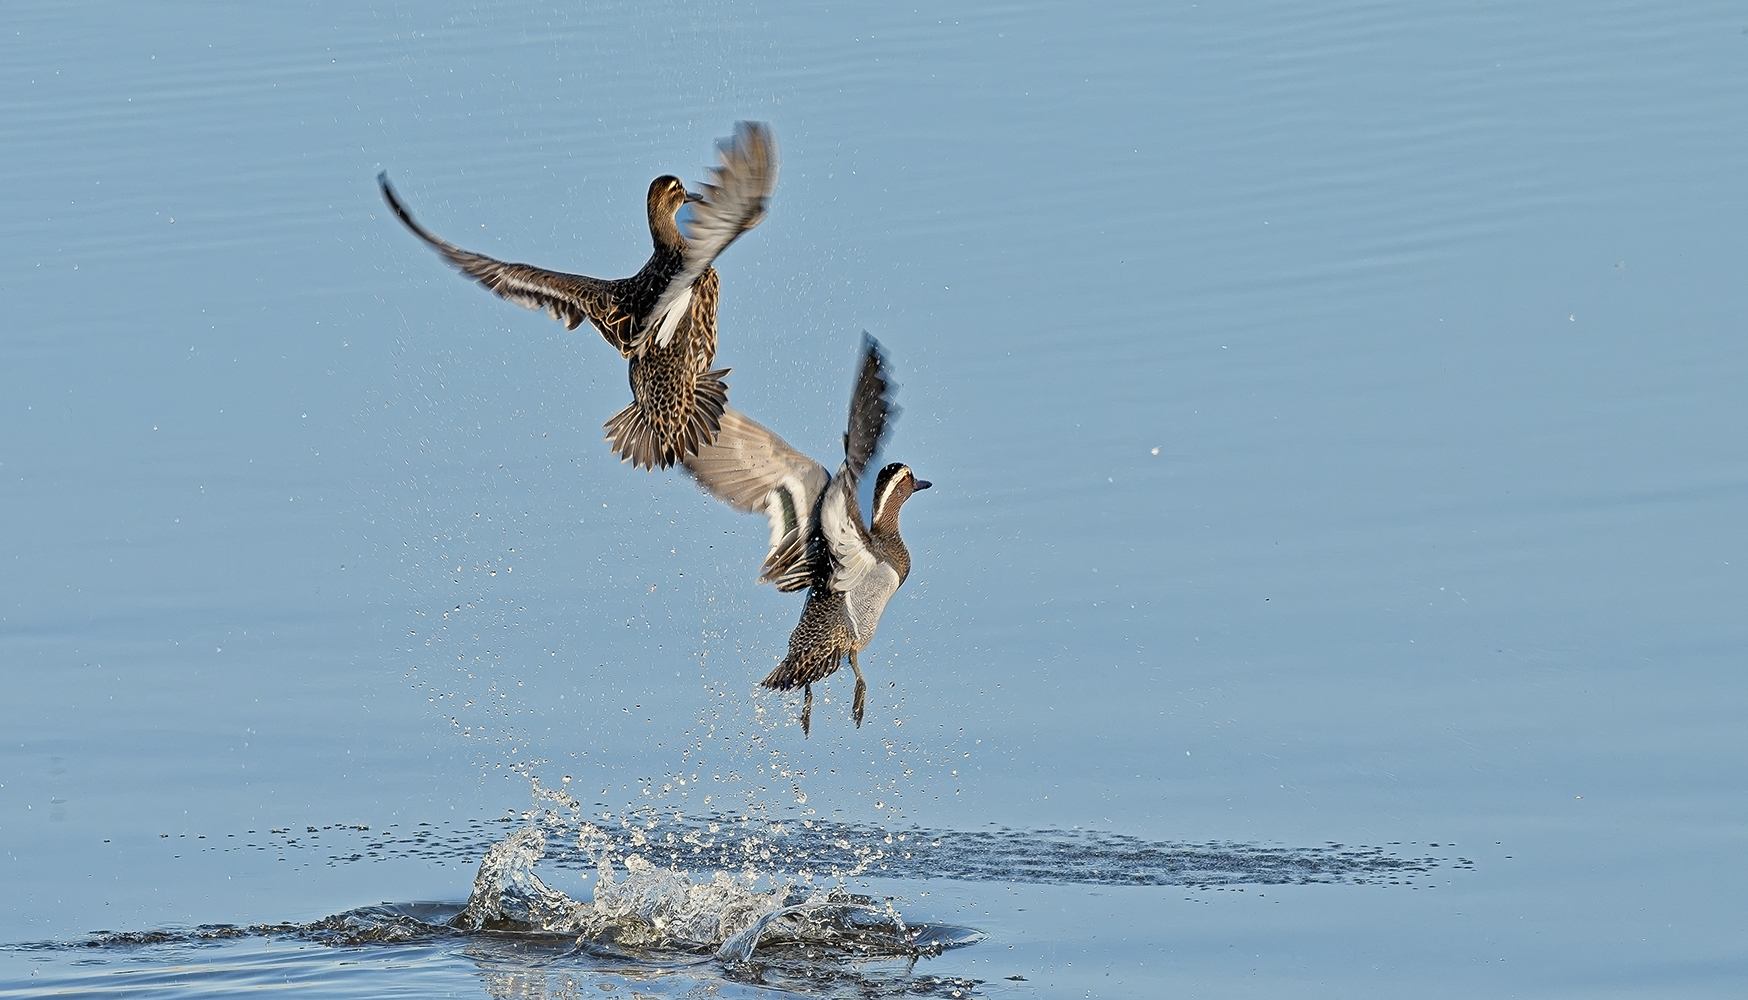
{"points": [[661, 319], [818, 540]]}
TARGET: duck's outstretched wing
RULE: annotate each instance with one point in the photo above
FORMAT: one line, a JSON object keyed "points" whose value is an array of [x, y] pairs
{"points": [[568, 298], [731, 202], [872, 411], [755, 471]]}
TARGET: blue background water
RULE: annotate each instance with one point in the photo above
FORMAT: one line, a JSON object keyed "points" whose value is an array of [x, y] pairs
{"points": [[1336, 419]]}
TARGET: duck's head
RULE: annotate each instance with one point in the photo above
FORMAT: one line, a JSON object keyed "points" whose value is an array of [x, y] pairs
{"points": [[892, 488], [666, 195]]}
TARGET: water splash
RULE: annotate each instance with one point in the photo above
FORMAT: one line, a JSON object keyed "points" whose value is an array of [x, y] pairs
{"points": [[664, 909], [507, 895]]}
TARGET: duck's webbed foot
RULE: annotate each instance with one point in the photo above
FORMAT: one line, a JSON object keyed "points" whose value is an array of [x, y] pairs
{"points": [[861, 701], [807, 710]]}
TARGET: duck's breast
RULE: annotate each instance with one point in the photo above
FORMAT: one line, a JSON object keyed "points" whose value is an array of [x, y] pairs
{"points": [[865, 603]]}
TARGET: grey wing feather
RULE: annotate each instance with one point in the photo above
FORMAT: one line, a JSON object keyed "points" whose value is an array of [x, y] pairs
{"points": [[568, 298], [872, 410], [755, 471], [733, 202]]}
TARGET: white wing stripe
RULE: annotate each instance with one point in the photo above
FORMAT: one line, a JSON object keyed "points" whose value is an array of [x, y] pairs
{"points": [[671, 321], [844, 535]]}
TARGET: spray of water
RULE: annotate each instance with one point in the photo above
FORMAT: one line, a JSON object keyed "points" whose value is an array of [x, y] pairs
{"points": [[663, 909]]}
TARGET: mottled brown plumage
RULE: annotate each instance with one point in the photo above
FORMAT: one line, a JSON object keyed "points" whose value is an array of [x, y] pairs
{"points": [[818, 540], [661, 319]]}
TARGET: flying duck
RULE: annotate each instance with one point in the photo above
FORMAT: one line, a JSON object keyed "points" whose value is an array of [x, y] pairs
{"points": [[818, 540], [661, 319]]}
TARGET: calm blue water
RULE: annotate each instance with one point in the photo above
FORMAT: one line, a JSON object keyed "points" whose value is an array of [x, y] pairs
{"points": [[1336, 419]]}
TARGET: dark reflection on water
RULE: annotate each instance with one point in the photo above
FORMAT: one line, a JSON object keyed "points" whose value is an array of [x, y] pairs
{"points": [[389, 923], [1047, 857], [514, 963]]}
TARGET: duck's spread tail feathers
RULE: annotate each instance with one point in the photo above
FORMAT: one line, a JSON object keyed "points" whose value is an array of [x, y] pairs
{"points": [[647, 444], [816, 647], [709, 399], [804, 666]]}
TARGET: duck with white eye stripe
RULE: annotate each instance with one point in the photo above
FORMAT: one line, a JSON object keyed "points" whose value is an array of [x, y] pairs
{"points": [[661, 319], [818, 540]]}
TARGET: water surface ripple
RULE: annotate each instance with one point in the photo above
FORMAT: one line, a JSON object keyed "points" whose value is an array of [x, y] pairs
{"points": [[1041, 857]]}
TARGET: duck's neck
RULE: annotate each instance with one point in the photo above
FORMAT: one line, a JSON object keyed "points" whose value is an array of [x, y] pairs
{"points": [[884, 523], [665, 232], [889, 546]]}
